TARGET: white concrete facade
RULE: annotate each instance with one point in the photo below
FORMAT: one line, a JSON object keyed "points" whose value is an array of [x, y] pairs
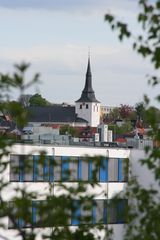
{"points": [[105, 190]]}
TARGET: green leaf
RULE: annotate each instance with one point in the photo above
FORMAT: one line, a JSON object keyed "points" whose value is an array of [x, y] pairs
{"points": [[109, 18]]}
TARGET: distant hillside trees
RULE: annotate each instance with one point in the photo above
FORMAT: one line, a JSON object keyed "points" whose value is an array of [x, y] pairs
{"points": [[114, 114], [38, 100], [140, 109], [66, 129], [126, 127], [126, 111], [123, 112]]}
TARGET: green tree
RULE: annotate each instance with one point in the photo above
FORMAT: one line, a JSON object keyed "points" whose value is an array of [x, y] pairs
{"points": [[140, 110], [114, 114], [9, 82], [54, 211], [120, 130], [144, 114], [125, 111], [38, 100], [144, 208], [66, 129]]}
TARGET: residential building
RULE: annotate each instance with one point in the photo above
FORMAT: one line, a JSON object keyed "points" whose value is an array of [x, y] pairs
{"points": [[105, 110]]}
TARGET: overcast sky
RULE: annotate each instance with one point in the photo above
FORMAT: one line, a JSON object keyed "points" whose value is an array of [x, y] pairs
{"points": [[54, 36]]}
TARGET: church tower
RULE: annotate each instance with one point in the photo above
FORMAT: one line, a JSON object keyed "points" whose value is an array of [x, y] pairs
{"points": [[87, 106]]}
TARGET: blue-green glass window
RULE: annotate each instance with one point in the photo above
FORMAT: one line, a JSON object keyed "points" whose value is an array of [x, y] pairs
{"points": [[51, 169], [103, 172], [76, 213], [121, 210], [65, 168], [46, 168], [120, 170], [34, 213], [90, 169], [35, 167], [79, 169], [21, 168]]}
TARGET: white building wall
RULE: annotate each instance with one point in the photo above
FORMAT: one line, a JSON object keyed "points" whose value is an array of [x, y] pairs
{"points": [[89, 111], [110, 135], [103, 191], [103, 131], [143, 174]]}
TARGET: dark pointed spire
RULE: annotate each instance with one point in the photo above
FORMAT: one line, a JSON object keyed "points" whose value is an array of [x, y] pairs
{"points": [[88, 94], [88, 82]]}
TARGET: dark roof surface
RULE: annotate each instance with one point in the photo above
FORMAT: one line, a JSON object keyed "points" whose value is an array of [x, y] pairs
{"points": [[88, 94], [81, 120], [55, 113], [51, 114]]}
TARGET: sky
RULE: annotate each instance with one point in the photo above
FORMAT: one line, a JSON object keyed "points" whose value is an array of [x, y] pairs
{"points": [[55, 37]]}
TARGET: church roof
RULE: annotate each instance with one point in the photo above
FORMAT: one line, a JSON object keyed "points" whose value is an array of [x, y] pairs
{"points": [[88, 94], [55, 113], [51, 114]]}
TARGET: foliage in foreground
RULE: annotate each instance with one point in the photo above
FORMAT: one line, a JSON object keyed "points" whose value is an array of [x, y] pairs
{"points": [[144, 207], [24, 201]]}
